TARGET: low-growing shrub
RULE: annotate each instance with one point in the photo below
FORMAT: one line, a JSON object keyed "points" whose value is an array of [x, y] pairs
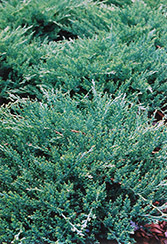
{"points": [[17, 53], [76, 170], [138, 67], [77, 165], [130, 57], [155, 3], [133, 21], [122, 3], [55, 19], [119, 3]]}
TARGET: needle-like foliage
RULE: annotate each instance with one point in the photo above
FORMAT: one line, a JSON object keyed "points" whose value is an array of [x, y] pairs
{"points": [[76, 170]]}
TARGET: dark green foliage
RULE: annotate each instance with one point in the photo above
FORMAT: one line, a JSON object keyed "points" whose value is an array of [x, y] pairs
{"points": [[76, 170]]}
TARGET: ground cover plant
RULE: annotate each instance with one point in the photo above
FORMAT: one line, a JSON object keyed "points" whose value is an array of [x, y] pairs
{"points": [[21, 37], [55, 19], [83, 137], [129, 56], [73, 171]]}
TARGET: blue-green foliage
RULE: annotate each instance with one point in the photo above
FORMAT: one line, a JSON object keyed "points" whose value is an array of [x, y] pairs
{"points": [[55, 19], [127, 54], [120, 3], [79, 164], [137, 67], [74, 170]]}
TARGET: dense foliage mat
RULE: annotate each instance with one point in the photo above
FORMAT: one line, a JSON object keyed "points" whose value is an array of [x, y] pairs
{"points": [[83, 139], [125, 52], [76, 170], [55, 19]]}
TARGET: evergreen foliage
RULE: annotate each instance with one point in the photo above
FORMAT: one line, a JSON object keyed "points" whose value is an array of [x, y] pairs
{"points": [[55, 19], [79, 163], [129, 57], [138, 67], [119, 3], [74, 170], [155, 3]]}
